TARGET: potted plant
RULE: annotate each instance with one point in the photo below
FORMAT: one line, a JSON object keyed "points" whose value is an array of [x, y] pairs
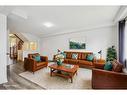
{"points": [[59, 58], [111, 54]]}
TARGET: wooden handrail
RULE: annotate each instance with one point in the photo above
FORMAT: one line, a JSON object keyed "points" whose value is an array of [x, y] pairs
{"points": [[19, 38]]}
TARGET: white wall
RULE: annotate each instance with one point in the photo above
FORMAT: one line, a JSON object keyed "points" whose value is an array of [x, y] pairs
{"points": [[9, 61], [96, 39], [125, 45], [30, 38], [117, 39], [3, 49], [25, 53]]}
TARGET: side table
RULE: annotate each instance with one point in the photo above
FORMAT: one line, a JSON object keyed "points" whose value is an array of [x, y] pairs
{"points": [[99, 63]]}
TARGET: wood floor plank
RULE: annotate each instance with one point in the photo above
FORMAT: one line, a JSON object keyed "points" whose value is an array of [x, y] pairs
{"points": [[15, 81]]}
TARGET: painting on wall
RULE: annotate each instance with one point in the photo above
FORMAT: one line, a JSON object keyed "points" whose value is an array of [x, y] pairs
{"points": [[33, 46], [77, 43]]}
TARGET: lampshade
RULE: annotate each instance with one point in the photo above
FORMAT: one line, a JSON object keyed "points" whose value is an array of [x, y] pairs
{"points": [[58, 50], [100, 52]]}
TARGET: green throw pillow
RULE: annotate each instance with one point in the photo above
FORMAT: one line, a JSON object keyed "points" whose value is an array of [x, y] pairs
{"points": [[74, 56], [90, 57], [64, 54], [38, 58], [108, 66]]}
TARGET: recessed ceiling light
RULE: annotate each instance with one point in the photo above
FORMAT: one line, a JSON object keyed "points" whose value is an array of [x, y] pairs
{"points": [[48, 24]]}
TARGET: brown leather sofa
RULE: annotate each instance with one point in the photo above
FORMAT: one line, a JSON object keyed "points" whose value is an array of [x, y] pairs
{"points": [[31, 65], [81, 60], [103, 79]]}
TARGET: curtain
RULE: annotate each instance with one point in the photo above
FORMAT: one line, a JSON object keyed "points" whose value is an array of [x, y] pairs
{"points": [[122, 41]]}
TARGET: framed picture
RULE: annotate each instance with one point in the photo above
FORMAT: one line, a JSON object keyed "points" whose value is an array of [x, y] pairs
{"points": [[77, 43]]}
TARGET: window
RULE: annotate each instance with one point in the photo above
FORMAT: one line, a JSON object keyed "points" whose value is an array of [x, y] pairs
{"points": [[125, 43]]}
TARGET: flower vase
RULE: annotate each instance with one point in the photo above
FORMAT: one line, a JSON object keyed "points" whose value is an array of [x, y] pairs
{"points": [[59, 63]]}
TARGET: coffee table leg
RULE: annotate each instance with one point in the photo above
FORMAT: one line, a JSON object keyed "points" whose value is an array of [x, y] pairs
{"points": [[71, 77], [76, 73], [71, 80], [51, 72]]}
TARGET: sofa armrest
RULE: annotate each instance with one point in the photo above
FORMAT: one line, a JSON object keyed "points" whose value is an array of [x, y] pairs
{"points": [[94, 61], [44, 58], [108, 72], [29, 64], [99, 66], [54, 58], [103, 79]]}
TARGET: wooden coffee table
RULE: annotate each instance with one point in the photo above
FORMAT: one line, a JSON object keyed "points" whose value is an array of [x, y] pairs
{"points": [[65, 70]]}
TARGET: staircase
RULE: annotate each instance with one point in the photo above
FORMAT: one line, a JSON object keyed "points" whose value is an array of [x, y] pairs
{"points": [[18, 46]]}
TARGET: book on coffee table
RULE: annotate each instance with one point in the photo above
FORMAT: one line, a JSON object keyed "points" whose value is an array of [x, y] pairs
{"points": [[69, 66]]}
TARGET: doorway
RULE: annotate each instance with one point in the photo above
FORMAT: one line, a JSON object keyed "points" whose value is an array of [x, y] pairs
{"points": [[15, 46]]}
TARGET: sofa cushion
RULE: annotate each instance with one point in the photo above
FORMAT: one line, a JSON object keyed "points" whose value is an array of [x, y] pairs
{"points": [[117, 66], [66, 60], [40, 64], [84, 62], [79, 56], [73, 61], [83, 56], [74, 56], [34, 55], [108, 66]]}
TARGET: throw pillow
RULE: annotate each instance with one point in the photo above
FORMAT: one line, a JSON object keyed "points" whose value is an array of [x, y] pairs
{"points": [[90, 57], [108, 66], [64, 54], [38, 58], [74, 56], [117, 67]]}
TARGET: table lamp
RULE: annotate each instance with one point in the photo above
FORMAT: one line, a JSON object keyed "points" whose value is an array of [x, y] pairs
{"points": [[100, 52]]}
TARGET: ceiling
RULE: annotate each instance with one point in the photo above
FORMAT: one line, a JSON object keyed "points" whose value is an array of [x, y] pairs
{"points": [[30, 19]]}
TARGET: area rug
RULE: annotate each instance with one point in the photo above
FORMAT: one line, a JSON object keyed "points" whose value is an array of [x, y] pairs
{"points": [[42, 78]]}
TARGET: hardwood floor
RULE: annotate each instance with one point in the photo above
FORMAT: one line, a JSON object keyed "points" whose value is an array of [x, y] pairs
{"points": [[15, 81]]}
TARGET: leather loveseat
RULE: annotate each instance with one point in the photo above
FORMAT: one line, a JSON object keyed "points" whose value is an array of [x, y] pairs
{"points": [[81, 59], [104, 79], [31, 65]]}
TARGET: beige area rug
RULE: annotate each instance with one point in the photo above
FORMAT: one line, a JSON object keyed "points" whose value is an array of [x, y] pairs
{"points": [[42, 78]]}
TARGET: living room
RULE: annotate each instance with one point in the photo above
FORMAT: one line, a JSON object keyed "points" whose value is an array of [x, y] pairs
{"points": [[49, 30]]}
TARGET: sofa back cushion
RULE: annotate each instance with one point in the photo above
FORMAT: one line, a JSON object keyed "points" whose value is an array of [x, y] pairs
{"points": [[84, 55], [117, 66], [68, 55], [81, 55], [33, 55]]}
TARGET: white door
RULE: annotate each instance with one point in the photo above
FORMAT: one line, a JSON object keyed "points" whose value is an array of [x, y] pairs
{"points": [[3, 49]]}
